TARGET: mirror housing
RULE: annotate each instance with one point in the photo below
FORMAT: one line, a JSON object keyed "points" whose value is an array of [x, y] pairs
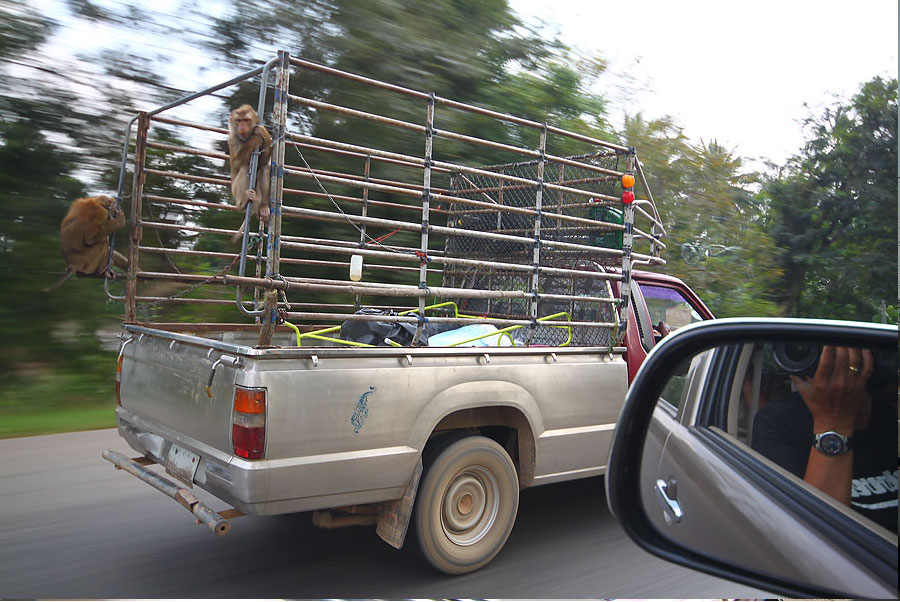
{"points": [[623, 477]]}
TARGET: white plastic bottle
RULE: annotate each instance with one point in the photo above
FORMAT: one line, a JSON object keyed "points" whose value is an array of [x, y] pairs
{"points": [[356, 265]]}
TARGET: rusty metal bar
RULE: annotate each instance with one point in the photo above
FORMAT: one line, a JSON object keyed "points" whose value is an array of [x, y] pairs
{"points": [[448, 261], [347, 153], [451, 292], [216, 88], [140, 156], [538, 205], [210, 518], [357, 78], [112, 239], [326, 106], [229, 207], [627, 243], [189, 178], [378, 289], [187, 151], [360, 179], [330, 317], [426, 202], [198, 327], [405, 125], [394, 224], [455, 104], [364, 212], [288, 260], [190, 124], [282, 85], [334, 146], [439, 165], [464, 201]]}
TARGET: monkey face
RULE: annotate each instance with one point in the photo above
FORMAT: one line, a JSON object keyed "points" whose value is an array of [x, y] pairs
{"points": [[243, 124], [242, 121]]}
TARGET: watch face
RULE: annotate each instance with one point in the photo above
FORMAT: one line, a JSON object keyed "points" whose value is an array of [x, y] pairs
{"points": [[831, 443]]}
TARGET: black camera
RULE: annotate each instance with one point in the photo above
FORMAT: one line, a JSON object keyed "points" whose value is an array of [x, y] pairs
{"points": [[802, 359]]}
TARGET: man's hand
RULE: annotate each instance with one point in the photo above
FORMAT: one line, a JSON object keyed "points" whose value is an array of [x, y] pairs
{"points": [[836, 394]]}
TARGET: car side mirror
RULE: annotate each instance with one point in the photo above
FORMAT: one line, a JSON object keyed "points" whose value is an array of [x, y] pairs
{"points": [[715, 463]]}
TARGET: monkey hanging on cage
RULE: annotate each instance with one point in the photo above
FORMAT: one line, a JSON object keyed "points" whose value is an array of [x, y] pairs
{"points": [[246, 134], [84, 237]]}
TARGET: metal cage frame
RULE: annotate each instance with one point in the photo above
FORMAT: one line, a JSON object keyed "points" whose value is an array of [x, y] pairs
{"points": [[521, 276]]}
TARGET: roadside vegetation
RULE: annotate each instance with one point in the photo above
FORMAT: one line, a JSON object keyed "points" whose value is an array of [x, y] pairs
{"points": [[812, 238]]}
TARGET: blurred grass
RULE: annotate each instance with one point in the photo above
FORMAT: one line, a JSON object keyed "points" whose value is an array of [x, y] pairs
{"points": [[57, 420], [54, 398]]}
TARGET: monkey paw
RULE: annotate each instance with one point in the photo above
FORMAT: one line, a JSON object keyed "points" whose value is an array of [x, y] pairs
{"points": [[264, 213], [252, 195]]}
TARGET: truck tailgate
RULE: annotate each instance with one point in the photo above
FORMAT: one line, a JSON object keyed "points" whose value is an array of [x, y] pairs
{"points": [[165, 383]]}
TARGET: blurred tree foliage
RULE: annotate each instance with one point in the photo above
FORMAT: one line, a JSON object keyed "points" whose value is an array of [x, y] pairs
{"points": [[717, 227], [816, 240], [834, 210]]}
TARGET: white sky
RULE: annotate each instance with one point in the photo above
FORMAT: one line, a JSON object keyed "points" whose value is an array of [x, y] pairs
{"points": [[738, 72]]}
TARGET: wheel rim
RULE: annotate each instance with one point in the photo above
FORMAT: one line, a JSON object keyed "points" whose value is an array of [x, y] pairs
{"points": [[470, 505]]}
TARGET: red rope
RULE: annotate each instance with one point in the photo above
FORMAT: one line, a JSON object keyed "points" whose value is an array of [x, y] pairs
{"points": [[386, 236]]}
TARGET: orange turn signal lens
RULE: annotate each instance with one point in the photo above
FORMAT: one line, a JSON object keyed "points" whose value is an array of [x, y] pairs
{"points": [[627, 181], [250, 401]]}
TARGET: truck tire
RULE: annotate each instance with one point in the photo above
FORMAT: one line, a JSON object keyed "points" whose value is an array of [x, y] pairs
{"points": [[466, 504]]}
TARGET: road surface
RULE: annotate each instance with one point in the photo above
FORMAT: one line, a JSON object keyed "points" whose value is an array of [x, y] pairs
{"points": [[73, 527]]}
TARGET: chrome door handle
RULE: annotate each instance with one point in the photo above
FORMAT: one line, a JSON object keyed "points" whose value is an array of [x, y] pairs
{"points": [[670, 505]]}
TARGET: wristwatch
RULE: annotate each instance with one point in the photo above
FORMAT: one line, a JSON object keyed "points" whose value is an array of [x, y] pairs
{"points": [[831, 443]]}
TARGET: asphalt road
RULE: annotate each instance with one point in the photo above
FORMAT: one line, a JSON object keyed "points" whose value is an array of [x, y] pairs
{"points": [[73, 527]]}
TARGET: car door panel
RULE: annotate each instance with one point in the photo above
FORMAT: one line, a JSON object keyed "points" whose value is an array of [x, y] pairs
{"points": [[738, 521]]}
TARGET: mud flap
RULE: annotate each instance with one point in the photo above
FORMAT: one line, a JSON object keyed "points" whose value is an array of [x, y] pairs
{"points": [[393, 520]]}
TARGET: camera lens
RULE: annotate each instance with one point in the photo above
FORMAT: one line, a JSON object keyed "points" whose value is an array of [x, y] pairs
{"points": [[797, 358]]}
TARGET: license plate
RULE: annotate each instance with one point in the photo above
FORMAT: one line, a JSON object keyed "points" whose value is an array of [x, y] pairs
{"points": [[182, 464]]}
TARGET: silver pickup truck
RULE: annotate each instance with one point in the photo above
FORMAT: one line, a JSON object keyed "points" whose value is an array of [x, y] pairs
{"points": [[280, 415], [348, 431]]}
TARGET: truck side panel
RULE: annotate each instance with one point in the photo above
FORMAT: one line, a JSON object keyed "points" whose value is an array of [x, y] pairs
{"points": [[349, 428]]}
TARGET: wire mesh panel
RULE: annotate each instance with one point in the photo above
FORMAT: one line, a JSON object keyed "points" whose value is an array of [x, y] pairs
{"points": [[601, 230]]}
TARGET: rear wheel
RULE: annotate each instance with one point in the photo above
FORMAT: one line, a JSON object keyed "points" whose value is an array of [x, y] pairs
{"points": [[466, 504]]}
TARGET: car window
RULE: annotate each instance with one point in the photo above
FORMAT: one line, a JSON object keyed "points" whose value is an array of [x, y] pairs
{"points": [[645, 328], [670, 306], [767, 406]]}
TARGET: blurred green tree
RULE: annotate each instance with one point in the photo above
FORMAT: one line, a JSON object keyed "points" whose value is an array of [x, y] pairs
{"points": [[716, 225], [834, 210]]}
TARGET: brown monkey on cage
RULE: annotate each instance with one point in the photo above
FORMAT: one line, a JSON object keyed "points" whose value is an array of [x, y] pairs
{"points": [[84, 237], [246, 134]]}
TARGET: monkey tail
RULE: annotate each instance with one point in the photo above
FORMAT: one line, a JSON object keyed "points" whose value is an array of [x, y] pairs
{"points": [[240, 232], [59, 283]]}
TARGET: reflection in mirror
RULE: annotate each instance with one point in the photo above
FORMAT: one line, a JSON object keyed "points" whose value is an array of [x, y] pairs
{"points": [[759, 420]]}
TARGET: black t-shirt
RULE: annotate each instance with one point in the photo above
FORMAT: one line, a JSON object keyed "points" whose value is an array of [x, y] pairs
{"points": [[783, 432]]}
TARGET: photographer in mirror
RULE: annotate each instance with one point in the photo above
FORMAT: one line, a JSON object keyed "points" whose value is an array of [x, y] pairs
{"points": [[836, 431]]}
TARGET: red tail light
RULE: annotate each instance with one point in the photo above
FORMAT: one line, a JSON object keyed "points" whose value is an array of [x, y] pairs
{"points": [[119, 380], [248, 430]]}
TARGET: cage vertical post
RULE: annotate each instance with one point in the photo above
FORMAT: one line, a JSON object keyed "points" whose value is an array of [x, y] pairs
{"points": [[365, 213], [279, 128], [627, 243], [426, 201], [538, 203], [276, 192], [137, 193]]}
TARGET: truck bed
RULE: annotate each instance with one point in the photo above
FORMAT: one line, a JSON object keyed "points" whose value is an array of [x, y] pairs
{"points": [[346, 426]]}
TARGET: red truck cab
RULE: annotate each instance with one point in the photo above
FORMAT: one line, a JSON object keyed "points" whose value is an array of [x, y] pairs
{"points": [[659, 304]]}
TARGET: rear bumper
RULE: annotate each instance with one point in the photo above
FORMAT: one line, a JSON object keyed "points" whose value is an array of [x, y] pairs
{"points": [[204, 515], [278, 486]]}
